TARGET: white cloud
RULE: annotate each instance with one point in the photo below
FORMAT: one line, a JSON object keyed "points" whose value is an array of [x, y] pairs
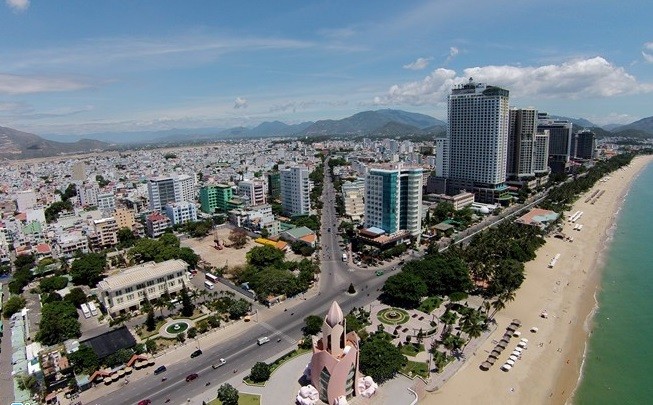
{"points": [[612, 118], [649, 46], [580, 78], [18, 5], [453, 51], [15, 84], [294, 105], [419, 64], [240, 103], [647, 57]]}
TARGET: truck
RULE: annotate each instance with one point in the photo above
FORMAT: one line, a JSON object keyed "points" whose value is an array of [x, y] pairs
{"points": [[344, 257]]}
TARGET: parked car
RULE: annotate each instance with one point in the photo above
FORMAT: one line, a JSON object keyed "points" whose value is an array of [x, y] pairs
{"points": [[196, 353], [145, 402], [220, 363], [191, 377], [160, 370]]}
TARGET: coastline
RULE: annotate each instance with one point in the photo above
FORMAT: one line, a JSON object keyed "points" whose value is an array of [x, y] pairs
{"points": [[550, 370]]}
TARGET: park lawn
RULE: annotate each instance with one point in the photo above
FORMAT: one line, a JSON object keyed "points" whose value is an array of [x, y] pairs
{"points": [[430, 304], [287, 357], [411, 349], [243, 399], [419, 368]]}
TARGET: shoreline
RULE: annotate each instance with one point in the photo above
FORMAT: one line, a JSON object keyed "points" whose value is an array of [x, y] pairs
{"points": [[551, 368]]}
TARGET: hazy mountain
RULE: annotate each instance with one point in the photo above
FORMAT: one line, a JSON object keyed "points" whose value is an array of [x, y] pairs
{"points": [[277, 128], [367, 122], [16, 144], [611, 127], [645, 125], [581, 122]]}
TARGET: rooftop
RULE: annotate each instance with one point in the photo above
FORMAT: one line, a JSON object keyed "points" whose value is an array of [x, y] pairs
{"points": [[141, 273]]}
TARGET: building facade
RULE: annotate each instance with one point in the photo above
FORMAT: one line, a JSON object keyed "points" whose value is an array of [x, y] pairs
{"points": [[105, 233], [274, 185], [541, 160], [521, 144], [477, 140], [156, 224], [295, 191], [393, 199], [106, 201], [334, 364], [585, 144], [254, 191], [560, 141], [125, 218], [133, 286], [163, 190], [180, 213], [353, 194]]}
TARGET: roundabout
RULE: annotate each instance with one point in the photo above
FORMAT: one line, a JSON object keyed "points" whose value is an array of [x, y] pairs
{"points": [[393, 316], [174, 327]]}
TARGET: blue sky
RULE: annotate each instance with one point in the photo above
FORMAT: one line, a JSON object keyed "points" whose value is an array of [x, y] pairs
{"points": [[76, 67]]}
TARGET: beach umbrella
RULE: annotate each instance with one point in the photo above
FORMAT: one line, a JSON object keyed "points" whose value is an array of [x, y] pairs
{"points": [[491, 360], [511, 362], [524, 340], [515, 353], [151, 362], [107, 381], [128, 370], [121, 373], [512, 327], [115, 377], [517, 333], [485, 366], [506, 367], [534, 329], [495, 354], [519, 349], [521, 344], [516, 322], [504, 341], [502, 344], [507, 336], [513, 357]]}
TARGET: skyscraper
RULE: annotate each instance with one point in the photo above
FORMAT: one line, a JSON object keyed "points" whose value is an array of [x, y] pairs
{"points": [[521, 144], [477, 140], [295, 191], [541, 155], [162, 190], [585, 144], [560, 141], [393, 199]]}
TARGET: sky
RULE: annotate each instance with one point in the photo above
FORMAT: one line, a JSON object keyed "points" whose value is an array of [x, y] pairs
{"points": [[75, 67]]}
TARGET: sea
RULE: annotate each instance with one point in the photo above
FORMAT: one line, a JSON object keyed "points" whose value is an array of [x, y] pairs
{"points": [[618, 366]]}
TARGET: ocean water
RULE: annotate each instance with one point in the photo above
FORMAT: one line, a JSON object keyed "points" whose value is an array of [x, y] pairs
{"points": [[618, 366]]}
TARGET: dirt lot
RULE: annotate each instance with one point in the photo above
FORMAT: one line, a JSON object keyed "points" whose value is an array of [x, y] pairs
{"points": [[205, 248]]}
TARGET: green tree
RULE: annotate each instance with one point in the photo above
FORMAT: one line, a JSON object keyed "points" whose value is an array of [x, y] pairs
{"points": [[192, 332], [87, 269], [58, 323], [260, 372], [54, 283], [312, 325], [169, 239], [187, 306], [150, 322], [151, 346], [76, 296], [84, 360], [13, 305], [265, 256], [126, 237], [380, 359], [188, 255], [238, 309], [404, 290], [27, 383], [227, 394], [122, 356]]}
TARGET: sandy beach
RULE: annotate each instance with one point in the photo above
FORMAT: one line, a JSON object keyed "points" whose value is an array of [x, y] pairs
{"points": [[549, 369]]}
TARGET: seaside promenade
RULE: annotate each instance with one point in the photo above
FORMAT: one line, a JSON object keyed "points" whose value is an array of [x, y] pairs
{"points": [[549, 368]]}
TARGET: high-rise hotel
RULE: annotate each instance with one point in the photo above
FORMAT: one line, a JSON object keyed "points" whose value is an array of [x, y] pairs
{"points": [[476, 146], [528, 149], [393, 199]]}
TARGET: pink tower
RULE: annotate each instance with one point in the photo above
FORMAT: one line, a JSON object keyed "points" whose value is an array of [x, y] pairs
{"points": [[334, 365]]}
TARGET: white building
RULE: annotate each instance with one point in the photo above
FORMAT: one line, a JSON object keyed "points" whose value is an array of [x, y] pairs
{"points": [[106, 201], [353, 194], [255, 219], [25, 200], [70, 242], [254, 191], [477, 140], [541, 155], [295, 191], [182, 212], [163, 190], [521, 143], [105, 233], [393, 199], [88, 194], [129, 289]]}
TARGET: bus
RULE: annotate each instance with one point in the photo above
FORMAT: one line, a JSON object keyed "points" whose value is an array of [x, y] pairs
{"points": [[92, 308], [209, 285], [210, 277], [86, 311]]}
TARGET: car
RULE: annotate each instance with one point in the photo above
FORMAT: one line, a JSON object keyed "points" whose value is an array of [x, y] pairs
{"points": [[379, 273], [262, 340], [145, 402], [160, 370], [196, 353], [220, 363], [191, 377]]}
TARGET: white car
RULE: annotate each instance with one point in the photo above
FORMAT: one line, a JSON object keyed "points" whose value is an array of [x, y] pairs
{"points": [[220, 363]]}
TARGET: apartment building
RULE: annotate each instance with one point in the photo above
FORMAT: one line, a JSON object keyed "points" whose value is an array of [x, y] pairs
{"points": [[180, 213], [295, 191], [133, 286], [156, 225], [163, 190]]}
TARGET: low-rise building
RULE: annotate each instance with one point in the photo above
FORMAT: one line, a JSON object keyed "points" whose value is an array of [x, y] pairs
{"points": [[129, 289], [70, 242], [156, 224], [459, 201], [182, 212], [105, 234]]}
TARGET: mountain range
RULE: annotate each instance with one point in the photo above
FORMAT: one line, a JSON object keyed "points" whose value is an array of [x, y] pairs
{"points": [[15, 144]]}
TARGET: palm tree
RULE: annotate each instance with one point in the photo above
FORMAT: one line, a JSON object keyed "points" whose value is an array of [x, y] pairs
{"points": [[448, 318], [473, 329], [498, 305]]}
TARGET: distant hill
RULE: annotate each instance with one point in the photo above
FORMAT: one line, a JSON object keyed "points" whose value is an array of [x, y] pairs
{"points": [[367, 122], [16, 144], [643, 126], [581, 122], [611, 127]]}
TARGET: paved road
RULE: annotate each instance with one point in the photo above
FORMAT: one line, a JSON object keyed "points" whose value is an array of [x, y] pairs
{"points": [[241, 353]]}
